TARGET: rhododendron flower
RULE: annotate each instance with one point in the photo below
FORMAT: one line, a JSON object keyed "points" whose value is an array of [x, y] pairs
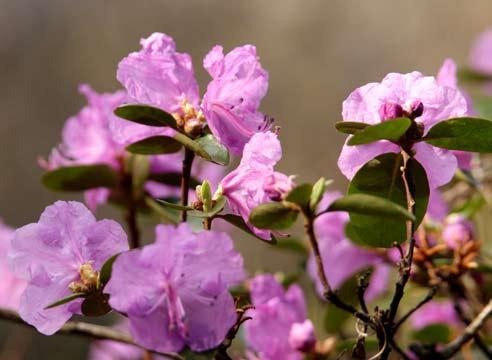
{"points": [[435, 312], [113, 350], [11, 286], [419, 97], [174, 291], [279, 328], [457, 231], [336, 249], [437, 209], [254, 181], [158, 75], [480, 55], [57, 256]]}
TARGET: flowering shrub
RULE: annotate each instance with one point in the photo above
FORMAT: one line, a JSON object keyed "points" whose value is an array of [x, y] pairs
{"points": [[399, 245]]}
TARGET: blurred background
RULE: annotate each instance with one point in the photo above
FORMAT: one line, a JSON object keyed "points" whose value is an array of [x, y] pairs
{"points": [[316, 52]]}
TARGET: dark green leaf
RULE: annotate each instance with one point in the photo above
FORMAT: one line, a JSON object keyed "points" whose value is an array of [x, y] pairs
{"points": [[145, 115], [370, 205], [317, 193], [350, 127], [166, 214], [292, 245], [80, 178], [65, 300], [217, 152], [433, 334], [96, 305], [218, 206], [467, 134], [192, 145], [391, 130], [484, 268], [273, 216], [469, 75], [107, 269], [238, 222], [381, 177], [300, 195], [192, 355], [173, 205], [155, 145], [173, 179]]}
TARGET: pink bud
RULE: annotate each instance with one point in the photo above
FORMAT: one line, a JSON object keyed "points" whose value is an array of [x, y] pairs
{"points": [[302, 337], [390, 111], [457, 231]]}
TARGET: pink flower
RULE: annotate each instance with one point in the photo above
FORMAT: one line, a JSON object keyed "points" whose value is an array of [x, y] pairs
{"points": [[435, 312], [175, 291], [11, 287], [279, 321], [158, 75], [254, 181], [437, 208], [480, 55], [457, 231], [416, 96], [336, 249], [60, 252]]}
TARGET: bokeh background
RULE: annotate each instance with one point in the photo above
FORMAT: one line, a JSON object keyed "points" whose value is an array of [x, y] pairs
{"points": [[315, 51]]}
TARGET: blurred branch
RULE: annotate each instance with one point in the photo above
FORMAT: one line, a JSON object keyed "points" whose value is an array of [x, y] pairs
{"points": [[185, 180], [430, 295], [88, 330]]}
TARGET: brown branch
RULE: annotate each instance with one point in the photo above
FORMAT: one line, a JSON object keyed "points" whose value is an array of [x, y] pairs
{"points": [[430, 295], [88, 330], [131, 212], [477, 338], [185, 180]]}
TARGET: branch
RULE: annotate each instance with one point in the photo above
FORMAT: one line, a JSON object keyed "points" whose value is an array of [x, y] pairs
{"points": [[477, 338], [185, 180], [430, 295], [471, 330], [88, 330]]}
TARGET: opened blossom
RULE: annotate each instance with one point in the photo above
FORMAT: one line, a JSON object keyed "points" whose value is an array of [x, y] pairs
{"points": [[59, 255], [435, 312], [175, 291], [279, 329], [255, 181], [416, 96], [480, 56], [11, 286], [160, 76], [335, 249]]}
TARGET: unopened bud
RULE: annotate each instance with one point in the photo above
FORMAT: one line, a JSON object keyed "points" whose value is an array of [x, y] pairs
{"points": [[302, 337], [206, 196], [390, 111]]}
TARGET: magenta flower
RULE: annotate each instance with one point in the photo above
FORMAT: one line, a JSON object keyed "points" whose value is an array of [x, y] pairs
{"points": [[279, 329], [58, 255], [480, 55], [174, 291], [414, 95], [457, 231], [11, 287], [157, 75], [437, 208], [254, 181], [335, 249], [435, 312]]}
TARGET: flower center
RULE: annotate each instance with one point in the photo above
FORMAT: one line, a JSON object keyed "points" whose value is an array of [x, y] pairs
{"points": [[88, 281], [411, 110], [191, 120]]}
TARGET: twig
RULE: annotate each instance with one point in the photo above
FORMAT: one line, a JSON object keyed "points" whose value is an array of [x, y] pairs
{"points": [[477, 338], [361, 290], [398, 349], [430, 295], [131, 212], [185, 180], [471, 330], [88, 330]]}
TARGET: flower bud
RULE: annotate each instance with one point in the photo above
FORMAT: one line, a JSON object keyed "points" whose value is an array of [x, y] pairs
{"points": [[457, 231], [206, 195], [302, 337], [390, 111]]}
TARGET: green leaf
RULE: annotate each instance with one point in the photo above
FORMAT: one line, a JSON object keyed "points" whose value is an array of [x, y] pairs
{"points": [[166, 214], [107, 269], [273, 216], [484, 268], [469, 75], [218, 153], [381, 177], [155, 145], [471, 206], [293, 245], [146, 115], [433, 334], [96, 305], [172, 179], [192, 355], [334, 317], [238, 222], [65, 300], [391, 130], [173, 205], [467, 134], [483, 106], [139, 167], [300, 195], [80, 178], [218, 206], [317, 193], [370, 205], [350, 127]]}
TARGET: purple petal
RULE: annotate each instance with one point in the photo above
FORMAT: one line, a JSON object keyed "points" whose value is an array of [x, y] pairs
{"points": [[439, 164], [480, 54]]}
